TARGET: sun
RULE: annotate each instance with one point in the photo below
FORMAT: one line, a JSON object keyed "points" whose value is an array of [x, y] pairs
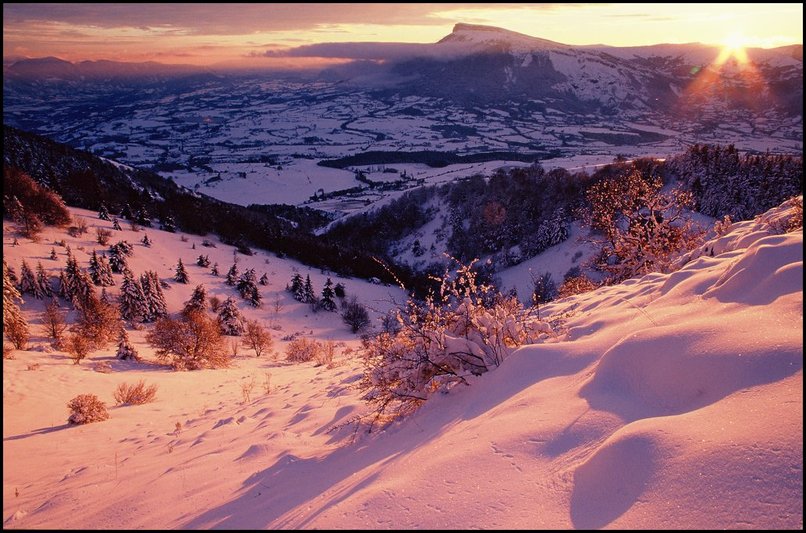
{"points": [[733, 46]]}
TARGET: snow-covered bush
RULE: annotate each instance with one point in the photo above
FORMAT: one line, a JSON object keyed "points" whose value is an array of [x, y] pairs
{"points": [[86, 408], [467, 329]]}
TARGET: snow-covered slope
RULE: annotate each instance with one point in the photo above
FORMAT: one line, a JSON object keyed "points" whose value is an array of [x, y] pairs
{"points": [[670, 401]]}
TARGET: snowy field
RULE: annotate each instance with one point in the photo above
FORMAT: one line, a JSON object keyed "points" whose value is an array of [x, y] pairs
{"points": [[669, 401]]}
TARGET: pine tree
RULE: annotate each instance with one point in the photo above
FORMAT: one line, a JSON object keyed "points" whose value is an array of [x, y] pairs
{"points": [[28, 280], [308, 295], [116, 224], [264, 279], [53, 255], [103, 212], [327, 303], [296, 287], [168, 224], [15, 327], [229, 318], [214, 270], [198, 300], [203, 261], [232, 275], [154, 297], [132, 298], [105, 272], [146, 241], [181, 275], [246, 282], [125, 349], [118, 254], [43, 281]]}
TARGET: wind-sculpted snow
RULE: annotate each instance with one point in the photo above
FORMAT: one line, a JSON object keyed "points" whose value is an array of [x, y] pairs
{"points": [[669, 401]]}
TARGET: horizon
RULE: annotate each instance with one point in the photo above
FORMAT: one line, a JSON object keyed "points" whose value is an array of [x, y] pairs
{"points": [[291, 35]]}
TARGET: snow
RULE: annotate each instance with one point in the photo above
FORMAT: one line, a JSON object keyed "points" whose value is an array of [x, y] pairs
{"points": [[669, 401]]}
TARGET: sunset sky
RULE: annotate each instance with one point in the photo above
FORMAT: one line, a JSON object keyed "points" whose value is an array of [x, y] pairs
{"points": [[206, 34]]}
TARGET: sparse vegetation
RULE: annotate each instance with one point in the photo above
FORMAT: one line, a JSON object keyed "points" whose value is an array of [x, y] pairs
{"points": [[136, 394], [191, 342], [86, 409]]}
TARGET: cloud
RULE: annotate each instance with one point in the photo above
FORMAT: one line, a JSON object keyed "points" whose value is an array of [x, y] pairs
{"points": [[362, 50]]}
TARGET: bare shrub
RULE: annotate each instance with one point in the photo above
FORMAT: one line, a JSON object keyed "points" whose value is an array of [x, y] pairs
{"points": [[102, 367], [136, 394], [301, 350], [267, 383], [324, 355], [17, 333], [8, 352], [78, 347], [215, 303], [86, 408], [32, 366], [234, 346], [355, 315], [192, 342], [257, 338], [102, 235], [576, 285], [55, 321]]}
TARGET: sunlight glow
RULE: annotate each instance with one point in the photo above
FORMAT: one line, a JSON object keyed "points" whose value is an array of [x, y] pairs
{"points": [[733, 46]]}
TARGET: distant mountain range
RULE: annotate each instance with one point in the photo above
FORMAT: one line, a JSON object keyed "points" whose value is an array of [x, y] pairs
{"points": [[483, 64]]}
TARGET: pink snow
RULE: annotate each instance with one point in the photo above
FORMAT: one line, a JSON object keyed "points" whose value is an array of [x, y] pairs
{"points": [[670, 401]]}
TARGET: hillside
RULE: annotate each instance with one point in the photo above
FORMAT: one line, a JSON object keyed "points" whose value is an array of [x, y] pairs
{"points": [[673, 400]]}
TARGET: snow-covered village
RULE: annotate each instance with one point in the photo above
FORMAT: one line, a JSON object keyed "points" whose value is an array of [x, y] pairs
{"points": [[402, 266]]}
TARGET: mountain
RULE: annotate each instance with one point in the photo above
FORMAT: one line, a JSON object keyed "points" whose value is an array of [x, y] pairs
{"points": [[482, 64]]}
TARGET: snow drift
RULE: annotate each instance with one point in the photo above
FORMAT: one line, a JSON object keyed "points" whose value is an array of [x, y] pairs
{"points": [[669, 401]]}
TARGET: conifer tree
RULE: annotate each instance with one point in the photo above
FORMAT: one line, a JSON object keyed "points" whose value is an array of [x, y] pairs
{"points": [[15, 327], [132, 299], [125, 349], [214, 270], [229, 318], [146, 241], [296, 287], [264, 279], [327, 303], [118, 254], [28, 280], [181, 275], [203, 261], [103, 212], [53, 255], [154, 297], [232, 275], [308, 295], [198, 300], [43, 281], [116, 224]]}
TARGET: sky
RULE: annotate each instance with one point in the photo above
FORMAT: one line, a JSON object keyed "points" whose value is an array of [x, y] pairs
{"points": [[208, 34]]}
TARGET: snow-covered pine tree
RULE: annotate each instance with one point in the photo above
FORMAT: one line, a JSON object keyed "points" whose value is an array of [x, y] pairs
{"points": [[214, 270], [43, 281], [181, 275], [327, 302], [15, 327], [154, 298], [126, 350], [203, 261], [118, 254], [246, 282], [116, 224], [53, 255], [232, 275], [229, 318], [296, 287], [28, 280], [103, 212], [308, 295], [198, 300], [132, 299], [146, 241], [105, 272], [264, 279]]}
